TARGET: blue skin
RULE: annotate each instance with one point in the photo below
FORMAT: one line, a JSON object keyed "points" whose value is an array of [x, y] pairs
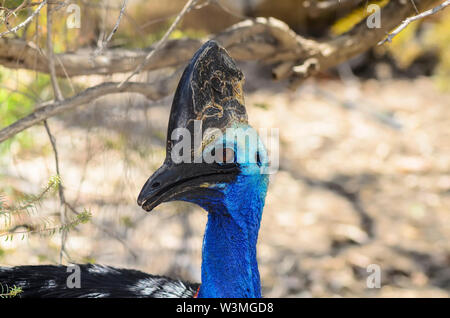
{"points": [[229, 265]]}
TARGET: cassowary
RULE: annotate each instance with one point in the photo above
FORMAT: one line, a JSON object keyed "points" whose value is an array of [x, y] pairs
{"points": [[220, 171]]}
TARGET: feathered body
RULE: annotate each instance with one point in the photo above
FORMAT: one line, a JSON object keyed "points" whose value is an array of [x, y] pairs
{"points": [[97, 281]]}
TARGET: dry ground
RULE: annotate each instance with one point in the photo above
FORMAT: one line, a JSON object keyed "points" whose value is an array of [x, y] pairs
{"points": [[364, 179]]}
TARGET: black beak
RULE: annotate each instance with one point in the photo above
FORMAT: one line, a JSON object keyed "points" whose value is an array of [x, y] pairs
{"points": [[210, 90], [178, 181]]}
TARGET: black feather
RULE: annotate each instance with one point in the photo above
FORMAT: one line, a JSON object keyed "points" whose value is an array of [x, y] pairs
{"points": [[96, 281]]}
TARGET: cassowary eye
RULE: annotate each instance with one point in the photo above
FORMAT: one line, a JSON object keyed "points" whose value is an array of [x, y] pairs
{"points": [[225, 155]]}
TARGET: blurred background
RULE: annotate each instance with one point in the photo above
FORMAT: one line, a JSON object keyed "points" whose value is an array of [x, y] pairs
{"points": [[364, 172]]}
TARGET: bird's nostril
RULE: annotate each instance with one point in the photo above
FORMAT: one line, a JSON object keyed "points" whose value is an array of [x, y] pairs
{"points": [[155, 184]]}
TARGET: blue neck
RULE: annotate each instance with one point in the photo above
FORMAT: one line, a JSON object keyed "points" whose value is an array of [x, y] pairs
{"points": [[229, 266]]}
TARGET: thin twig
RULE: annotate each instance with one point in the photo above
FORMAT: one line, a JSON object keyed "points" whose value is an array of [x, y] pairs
{"points": [[104, 43], [412, 19], [189, 5], [65, 73], [27, 20], [62, 199], [415, 7], [59, 97]]}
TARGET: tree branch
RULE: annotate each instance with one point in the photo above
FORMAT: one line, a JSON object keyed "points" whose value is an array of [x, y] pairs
{"points": [[153, 91], [263, 39], [19, 54], [268, 40], [58, 97], [62, 200]]}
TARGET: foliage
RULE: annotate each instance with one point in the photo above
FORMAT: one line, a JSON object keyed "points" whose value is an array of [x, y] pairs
{"points": [[9, 292], [29, 203], [28, 206]]}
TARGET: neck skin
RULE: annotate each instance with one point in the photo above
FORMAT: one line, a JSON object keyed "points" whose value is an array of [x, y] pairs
{"points": [[229, 266]]}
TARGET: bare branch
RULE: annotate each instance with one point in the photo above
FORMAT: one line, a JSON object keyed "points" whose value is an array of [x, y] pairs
{"points": [[412, 19], [153, 91], [58, 97], [267, 40], [62, 200]]}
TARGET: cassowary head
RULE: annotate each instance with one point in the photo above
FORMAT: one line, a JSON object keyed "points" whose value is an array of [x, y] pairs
{"points": [[212, 154]]}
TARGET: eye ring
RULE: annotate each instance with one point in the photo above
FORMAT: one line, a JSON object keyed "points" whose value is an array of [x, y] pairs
{"points": [[228, 155], [225, 155]]}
